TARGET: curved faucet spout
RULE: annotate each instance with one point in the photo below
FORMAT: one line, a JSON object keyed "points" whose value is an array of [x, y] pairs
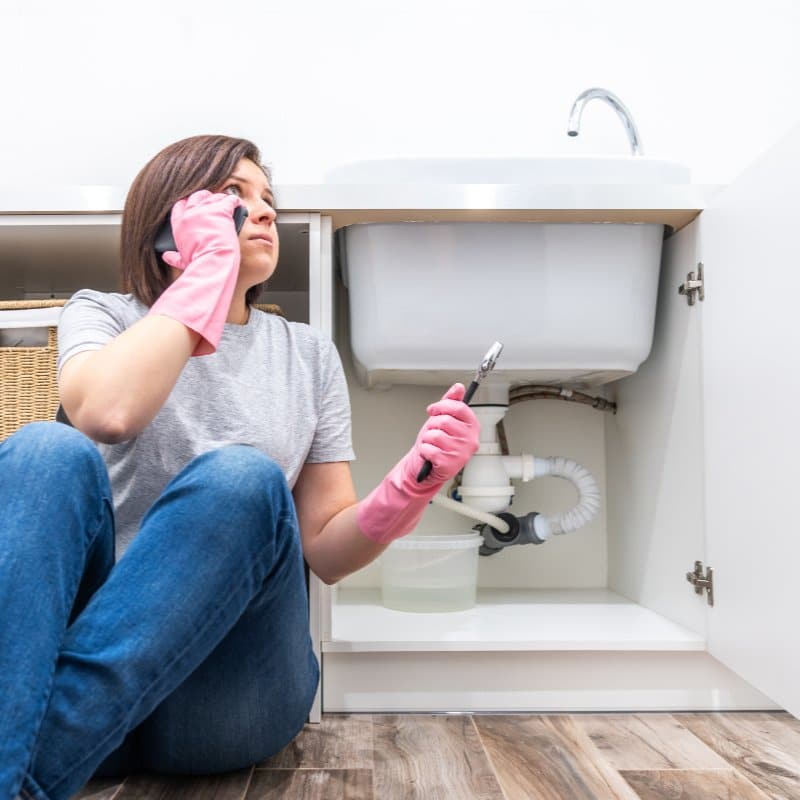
{"points": [[573, 127]]}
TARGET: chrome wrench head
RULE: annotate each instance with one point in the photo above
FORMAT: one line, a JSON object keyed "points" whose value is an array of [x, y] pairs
{"points": [[489, 360]]}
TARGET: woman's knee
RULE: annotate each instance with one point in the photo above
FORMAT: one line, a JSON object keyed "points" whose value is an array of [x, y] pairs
{"points": [[244, 490], [55, 487], [243, 465], [244, 477], [45, 447]]}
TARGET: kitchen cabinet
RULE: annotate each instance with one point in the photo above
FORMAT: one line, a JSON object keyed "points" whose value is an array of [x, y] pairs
{"points": [[696, 467]]}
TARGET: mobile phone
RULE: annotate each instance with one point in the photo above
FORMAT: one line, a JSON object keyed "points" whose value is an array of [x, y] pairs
{"points": [[166, 241]]}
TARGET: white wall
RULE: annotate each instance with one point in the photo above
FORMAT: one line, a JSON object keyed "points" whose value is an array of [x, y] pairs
{"points": [[91, 90]]}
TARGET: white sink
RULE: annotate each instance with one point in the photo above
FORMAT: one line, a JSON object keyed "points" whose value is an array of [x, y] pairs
{"points": [[543, 170], [571, 302]]}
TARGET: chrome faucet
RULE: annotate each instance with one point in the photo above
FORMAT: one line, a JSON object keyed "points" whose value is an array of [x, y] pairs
{"points": [[573, 128]]}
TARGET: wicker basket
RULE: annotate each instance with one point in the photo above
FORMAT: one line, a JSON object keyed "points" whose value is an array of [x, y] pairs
{"points": [[28, 390]]}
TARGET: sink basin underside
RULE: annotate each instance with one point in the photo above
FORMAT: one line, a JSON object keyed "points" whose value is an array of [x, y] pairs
{"points": [[571, 303]]}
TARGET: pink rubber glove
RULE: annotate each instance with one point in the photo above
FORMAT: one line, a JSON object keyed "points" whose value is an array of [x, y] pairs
{"points": [[209, 255], [448, 439]]}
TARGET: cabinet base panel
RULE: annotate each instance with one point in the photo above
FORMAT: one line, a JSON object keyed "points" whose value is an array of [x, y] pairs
{"points": [[517, 682]]}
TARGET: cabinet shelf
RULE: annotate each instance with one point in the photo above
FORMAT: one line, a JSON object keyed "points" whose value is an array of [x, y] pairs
{"points": [[507, 620]]}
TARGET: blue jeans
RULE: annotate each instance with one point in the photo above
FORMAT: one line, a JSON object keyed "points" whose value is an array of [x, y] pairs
{"points": [[190, 655]]}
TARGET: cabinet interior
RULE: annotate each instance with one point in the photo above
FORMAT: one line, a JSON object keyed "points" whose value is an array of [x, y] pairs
{"points": [[620, 581]]}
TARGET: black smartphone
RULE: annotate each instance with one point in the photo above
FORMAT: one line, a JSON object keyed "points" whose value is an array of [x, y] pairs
{"points": [[166, 241]]}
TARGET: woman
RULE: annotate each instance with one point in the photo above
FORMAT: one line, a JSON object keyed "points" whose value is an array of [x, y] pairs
{"points": [[155, 611]]}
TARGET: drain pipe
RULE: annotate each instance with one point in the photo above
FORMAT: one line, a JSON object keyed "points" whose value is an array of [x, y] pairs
{"points": [[528, 467], [588, 495], [485, 483], [482, 516]]}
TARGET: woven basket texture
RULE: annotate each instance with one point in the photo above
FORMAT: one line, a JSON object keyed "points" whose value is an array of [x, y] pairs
{"points": [[28, 390]]}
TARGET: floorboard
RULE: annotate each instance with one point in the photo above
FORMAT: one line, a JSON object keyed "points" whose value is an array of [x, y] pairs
{"points": [[145, 786], [763, 746], [343, 741], [548, 758], [648, 742], [687, 784], [311, 784], [431, 757]]}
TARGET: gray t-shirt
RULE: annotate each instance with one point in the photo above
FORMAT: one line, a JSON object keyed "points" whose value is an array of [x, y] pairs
{"points": [[273, 384]]}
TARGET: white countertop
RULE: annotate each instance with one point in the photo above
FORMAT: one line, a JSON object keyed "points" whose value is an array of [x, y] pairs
{"points": [[673, 204]]}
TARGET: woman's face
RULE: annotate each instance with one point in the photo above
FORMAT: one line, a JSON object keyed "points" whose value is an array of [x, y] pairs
{"points": [[258, 239]]}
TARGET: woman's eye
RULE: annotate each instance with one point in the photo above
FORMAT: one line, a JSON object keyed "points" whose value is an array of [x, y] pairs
{"points": [[232, 188]]}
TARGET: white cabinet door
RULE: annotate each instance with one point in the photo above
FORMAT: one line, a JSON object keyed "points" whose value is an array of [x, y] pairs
{"points": [[749, 242]]}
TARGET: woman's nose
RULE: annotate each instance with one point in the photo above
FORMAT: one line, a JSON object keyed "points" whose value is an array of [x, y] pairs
{"points": [[263, 210]]}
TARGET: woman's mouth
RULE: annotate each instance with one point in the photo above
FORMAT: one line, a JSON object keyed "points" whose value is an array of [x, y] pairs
{"points": [[262, 239]]}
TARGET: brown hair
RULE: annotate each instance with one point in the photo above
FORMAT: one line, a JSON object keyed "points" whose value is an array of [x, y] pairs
{"points": [[199, 162]]}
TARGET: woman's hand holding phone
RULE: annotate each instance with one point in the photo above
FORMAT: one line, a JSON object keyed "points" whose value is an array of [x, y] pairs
{"points": [[208, 255]]}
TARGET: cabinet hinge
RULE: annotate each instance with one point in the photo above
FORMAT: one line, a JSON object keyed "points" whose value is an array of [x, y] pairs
{"points": [[694, 285], [696, 578]]}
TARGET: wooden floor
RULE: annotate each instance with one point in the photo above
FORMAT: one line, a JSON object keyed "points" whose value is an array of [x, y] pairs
{"points": [[737, 756]]}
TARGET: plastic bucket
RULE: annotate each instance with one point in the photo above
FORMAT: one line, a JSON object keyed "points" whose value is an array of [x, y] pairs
{"points": [[431, 573]]}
